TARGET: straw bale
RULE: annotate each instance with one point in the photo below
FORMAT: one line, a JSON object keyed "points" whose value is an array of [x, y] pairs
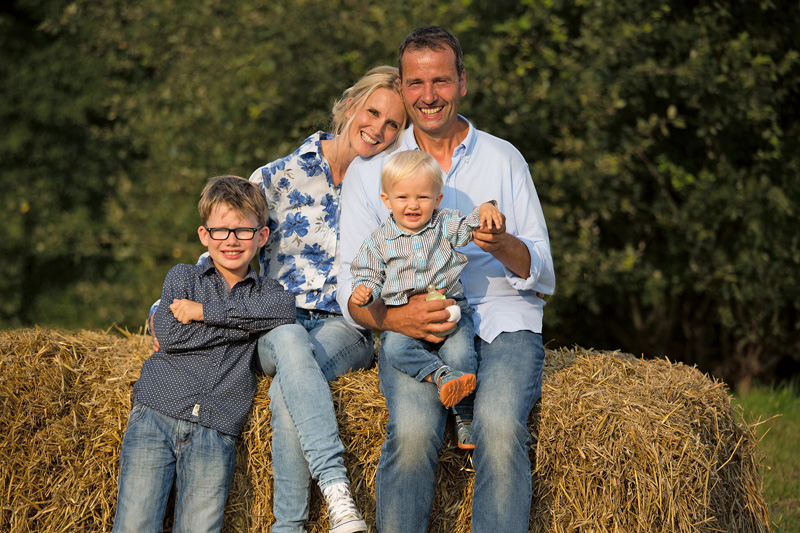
{"points": [[625, 444], [635, 445]]}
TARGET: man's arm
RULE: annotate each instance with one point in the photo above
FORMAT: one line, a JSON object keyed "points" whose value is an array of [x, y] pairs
{"points": [[525, 251], [506, 248], [419, 319]]}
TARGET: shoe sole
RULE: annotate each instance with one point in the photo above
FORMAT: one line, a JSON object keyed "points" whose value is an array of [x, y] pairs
{"points": [[353, 526], [457, 389]]}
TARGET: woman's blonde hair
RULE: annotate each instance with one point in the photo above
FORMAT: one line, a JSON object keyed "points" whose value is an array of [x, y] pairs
{"points": [[382, 77], [407, 163]]}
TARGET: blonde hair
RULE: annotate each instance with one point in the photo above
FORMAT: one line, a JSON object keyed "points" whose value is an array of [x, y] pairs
{"points": [[238, 194], [382, 77], [407, 163]]}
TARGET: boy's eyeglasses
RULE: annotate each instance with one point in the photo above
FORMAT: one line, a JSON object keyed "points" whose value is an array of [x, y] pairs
{"points": [[220, 234]]}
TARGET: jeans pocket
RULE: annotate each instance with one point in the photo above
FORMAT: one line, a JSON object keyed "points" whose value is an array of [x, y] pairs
{"points": [[137, 412], [227, 440]]}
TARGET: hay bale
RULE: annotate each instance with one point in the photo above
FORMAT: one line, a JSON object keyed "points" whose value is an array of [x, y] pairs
{"points": [[624, 444], [635, 445]]}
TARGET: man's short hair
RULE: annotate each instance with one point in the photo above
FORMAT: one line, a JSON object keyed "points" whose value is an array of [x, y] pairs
{"points": [[431, 38], [238, 194]]}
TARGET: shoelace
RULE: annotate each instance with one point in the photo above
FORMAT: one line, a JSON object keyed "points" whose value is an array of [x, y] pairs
{"points": [[340, 503]]}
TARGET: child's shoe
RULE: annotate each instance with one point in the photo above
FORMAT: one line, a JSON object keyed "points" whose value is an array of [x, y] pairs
{"points": [[453, 385], [464, 431], [343, 517]]}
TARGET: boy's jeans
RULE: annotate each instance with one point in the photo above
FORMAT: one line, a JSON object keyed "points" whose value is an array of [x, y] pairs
{"points": [[303, 357], [509, 383], [157, 448]]}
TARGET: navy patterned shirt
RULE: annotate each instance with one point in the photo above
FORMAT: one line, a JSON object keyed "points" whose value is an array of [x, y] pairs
{"points": [[202, 371]]}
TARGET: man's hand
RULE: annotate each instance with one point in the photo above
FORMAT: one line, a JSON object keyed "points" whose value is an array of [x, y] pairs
{"points": [[490, 237], [421, 319], [187, 311], [505, 247]]}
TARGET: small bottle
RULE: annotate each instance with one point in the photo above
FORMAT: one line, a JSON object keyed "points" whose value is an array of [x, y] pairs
{"points": [[433, 294]]}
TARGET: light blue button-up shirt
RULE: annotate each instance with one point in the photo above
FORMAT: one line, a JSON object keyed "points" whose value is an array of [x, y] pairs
{"points": [[483, 166]]}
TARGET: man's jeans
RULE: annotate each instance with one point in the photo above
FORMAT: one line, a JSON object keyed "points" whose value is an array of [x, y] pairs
{"points": [[303, 357], [509, 383], [157, 448]]}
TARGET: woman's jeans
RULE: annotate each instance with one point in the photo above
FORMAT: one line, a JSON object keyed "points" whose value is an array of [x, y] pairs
{"points": [[509, 383], [156, 449], [303, 357]]}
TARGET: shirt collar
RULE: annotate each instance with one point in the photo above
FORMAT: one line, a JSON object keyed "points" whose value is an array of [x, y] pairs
{"points": [[392, 230], [311, 143], [409, 142]]}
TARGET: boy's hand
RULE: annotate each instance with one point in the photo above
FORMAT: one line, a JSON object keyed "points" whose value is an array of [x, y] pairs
{"points": [[361, 295], [187, 311], [491, 217]]}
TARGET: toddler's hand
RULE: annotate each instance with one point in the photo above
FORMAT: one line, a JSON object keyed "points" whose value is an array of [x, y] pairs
{"points": [[491, 217], [361, 295]]}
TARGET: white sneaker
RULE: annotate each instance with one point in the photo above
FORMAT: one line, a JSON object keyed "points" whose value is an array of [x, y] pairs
{"points": [[343, 517]]}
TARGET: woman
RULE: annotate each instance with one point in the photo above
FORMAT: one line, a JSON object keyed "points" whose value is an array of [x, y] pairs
{"points": [[303, 190]]}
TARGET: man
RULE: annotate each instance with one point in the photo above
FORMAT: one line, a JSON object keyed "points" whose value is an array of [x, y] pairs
{"points": [[509, 269]]}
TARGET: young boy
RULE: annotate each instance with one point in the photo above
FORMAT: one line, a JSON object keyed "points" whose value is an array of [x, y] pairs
{"points": [[411, 252], [193, 395]]}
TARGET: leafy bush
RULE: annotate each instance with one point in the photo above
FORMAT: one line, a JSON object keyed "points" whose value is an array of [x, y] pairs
{"points": [[663, 140]]}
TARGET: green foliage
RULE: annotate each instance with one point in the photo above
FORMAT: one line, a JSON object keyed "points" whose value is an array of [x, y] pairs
{"points": [[664, 144], [663, 140]]}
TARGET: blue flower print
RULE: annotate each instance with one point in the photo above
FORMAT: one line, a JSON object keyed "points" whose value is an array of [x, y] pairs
{"points": [[285, 259], [329, 303], [310, 164], [331, 207], [293, 280], [283, 183], [295, 223], [272, 169], [314, 254], [298, 199]]}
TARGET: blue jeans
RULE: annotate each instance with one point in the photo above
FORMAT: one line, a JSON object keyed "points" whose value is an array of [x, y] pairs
{"points": [[156, 449], [416, 358], [303, 357], [509, 383]]}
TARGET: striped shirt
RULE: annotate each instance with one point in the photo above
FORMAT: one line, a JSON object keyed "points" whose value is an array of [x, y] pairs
{"points": [[396, 264]]}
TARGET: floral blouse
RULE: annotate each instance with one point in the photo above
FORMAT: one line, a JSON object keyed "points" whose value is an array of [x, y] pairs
{"points": [[303, 245]]}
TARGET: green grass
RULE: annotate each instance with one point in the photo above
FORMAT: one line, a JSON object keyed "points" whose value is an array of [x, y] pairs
{"points": [[780, 442]]}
